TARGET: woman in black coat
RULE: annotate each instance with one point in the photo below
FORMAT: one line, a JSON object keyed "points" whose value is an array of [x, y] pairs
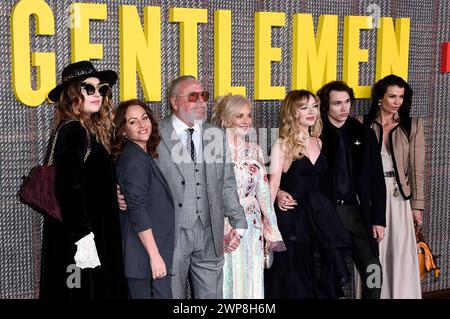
{"points": [[148, 226], [82, 257]]}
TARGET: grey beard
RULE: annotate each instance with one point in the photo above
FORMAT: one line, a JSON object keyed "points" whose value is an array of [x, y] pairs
{"points": [[199, 121]]}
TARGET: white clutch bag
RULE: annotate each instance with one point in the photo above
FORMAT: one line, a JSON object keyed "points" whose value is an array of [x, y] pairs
{"points": [[268, 258]]}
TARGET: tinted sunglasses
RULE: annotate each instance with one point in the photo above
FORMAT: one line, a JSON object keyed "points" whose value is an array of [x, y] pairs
{"points": [[193, 96], [90, 89]]}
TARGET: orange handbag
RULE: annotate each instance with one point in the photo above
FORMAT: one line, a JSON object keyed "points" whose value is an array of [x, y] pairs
{"points": [[427, 261]]}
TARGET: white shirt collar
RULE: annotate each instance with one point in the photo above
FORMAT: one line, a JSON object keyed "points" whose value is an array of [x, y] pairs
{"points": [[180, 126]]}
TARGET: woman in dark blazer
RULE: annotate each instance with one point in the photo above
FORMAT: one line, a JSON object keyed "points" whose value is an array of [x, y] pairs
{"points": [[148, 225]]}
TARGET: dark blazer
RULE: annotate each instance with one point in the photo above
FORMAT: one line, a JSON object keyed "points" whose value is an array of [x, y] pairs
{"points": [[366, 171], [150, 205]]}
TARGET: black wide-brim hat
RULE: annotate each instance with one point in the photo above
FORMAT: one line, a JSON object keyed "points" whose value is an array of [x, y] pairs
{"points": [[78, 71]]}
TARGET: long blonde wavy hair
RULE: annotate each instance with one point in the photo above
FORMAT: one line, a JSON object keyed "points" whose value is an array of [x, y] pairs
{"points": [[291, 144], [226, 107], [69, 106]]}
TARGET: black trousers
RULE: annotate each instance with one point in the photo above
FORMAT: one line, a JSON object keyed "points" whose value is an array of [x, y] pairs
{"points": [[365, 260], [148, 289]]}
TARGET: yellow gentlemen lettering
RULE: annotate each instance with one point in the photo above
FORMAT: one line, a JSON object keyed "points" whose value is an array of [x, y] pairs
{"points": [[265, 54], [81, 15], [140, 51], [314, 55], [188, 19], [393, 47], [314, 60], [353, 54], [222, 55], [20, 47]]}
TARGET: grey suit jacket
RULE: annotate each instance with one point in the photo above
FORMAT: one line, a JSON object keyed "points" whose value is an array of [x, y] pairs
{"points": [[149, 205], [221, 182]]}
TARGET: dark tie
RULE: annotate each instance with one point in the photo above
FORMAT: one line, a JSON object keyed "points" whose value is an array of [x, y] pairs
{"points": [[341, 166], [190, 143]]}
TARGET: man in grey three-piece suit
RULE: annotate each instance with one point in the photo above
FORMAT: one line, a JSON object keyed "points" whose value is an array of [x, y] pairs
{"points": [[193, 159]]}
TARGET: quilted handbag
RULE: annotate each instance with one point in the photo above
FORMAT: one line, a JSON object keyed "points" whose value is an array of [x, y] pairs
{"points": [[38, 188]]}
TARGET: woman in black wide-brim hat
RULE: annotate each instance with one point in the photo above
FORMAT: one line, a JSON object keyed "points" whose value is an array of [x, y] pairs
{"points": [[82, 256]]}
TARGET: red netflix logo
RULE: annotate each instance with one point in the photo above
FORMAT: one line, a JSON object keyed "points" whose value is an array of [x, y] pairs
{"points": [[445, 60]]}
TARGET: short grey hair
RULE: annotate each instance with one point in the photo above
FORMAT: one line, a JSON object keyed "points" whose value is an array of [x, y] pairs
{"points": [[173, 88]]}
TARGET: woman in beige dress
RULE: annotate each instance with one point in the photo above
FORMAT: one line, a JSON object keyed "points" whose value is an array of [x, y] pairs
{"points": [[401, 140]]}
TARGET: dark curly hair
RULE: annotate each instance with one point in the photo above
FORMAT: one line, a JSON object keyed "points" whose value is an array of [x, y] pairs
{"points": [[120, 121], [324, 95], [378, 91], [70, 106]]}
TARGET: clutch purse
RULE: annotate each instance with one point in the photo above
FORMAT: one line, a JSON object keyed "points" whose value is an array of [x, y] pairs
{"points": [[268, 258], [38, 188]]}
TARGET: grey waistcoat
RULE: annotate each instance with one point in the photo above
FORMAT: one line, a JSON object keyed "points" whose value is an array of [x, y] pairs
{"points": [[195, 201]]}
